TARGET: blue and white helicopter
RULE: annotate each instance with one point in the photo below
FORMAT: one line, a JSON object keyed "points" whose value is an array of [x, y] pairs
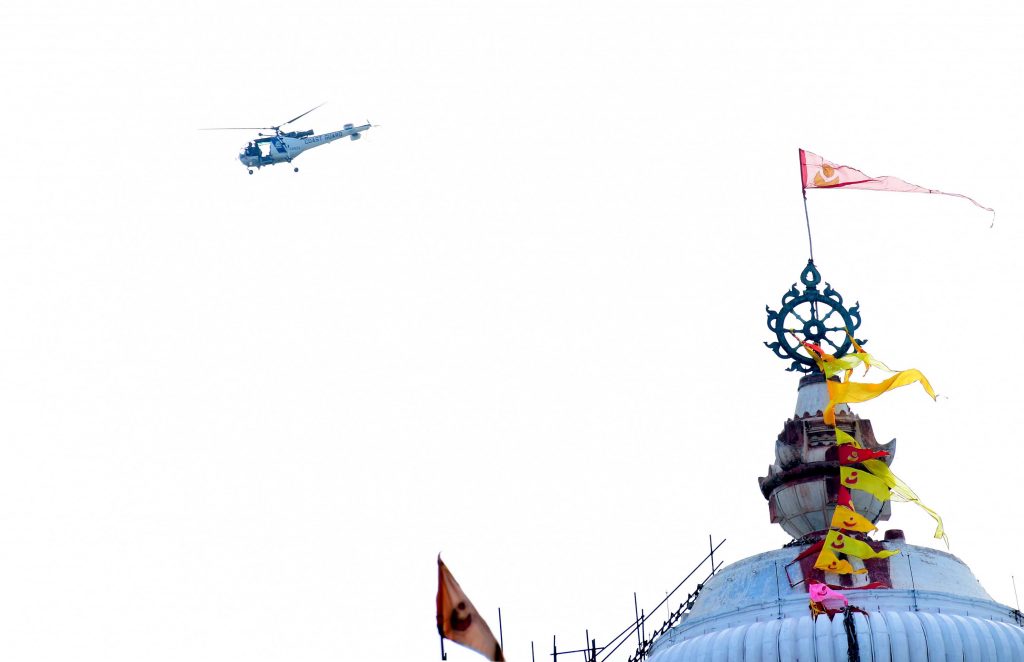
{"points": [[284, 146]]}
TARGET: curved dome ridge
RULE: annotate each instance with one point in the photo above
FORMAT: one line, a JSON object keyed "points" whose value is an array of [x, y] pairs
{"points": [[881, 635], [749, 611]]}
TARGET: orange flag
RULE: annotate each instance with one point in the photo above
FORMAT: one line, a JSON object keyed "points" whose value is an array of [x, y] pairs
{"points": [[459, 621]]}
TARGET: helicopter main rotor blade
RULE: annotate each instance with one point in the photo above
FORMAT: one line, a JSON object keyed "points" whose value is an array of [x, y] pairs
{"points": [[302, 115], [237, 128]]}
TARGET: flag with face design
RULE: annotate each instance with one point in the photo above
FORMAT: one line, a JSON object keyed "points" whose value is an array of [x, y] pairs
{"points": [[829, 562], [858, 479], [850, 454], [816, 172], [826, 596], [839, 543], [884, 473], [846, 519], [459, 621]]}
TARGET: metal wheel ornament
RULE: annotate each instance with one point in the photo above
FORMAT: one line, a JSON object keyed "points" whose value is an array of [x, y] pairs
{"points": [[814, 316]]}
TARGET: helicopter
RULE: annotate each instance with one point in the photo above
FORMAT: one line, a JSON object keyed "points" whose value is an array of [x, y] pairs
{"points": [[283, 146]]}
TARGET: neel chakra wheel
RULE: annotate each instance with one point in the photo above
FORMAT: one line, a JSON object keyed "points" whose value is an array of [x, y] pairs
{"points": [[816, 316], [920, 605]]}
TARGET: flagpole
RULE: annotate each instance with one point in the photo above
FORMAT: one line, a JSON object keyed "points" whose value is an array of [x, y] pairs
{"points": [[444, 656], [807, 217]]}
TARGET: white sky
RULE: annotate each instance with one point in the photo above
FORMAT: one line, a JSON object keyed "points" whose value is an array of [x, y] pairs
{"points": [[520, 323]]}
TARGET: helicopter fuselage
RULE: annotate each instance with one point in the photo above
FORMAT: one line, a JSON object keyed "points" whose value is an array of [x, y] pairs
{"points": [[284, 147]]}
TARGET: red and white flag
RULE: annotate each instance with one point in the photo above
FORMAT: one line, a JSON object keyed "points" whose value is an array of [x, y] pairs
{"points": [[459, 621], [819, 173]]}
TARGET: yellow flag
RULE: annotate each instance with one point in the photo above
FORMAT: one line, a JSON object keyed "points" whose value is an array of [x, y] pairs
{"points": [[882, 470], [904, 493], [856, 479], [829, 562], [848, 392], [885, 474], [843, 438], [833, 366], [848, 520], [838, 542]]}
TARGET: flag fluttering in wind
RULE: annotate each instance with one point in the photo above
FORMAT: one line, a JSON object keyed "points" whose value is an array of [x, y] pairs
{"points": [[859, 468], [849, 454], [819, 173], [898, 488], [849, 392], [459, 621], [837, 542], [829, 562], [857, 479], [846, 391]]}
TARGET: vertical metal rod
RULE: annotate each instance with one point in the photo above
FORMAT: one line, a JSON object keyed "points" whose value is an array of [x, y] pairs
{"points": [[1015, 598], [807, 217], [586, 645], [554, 647], [533, 656], [444, 656], [643, 628], [778, 591], [712, 546], [593, 649], [501, 635], [913, 584], [636, 610]]}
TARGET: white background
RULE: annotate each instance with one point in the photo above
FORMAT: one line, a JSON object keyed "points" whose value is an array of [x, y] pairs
{"points": [[520, 323]]}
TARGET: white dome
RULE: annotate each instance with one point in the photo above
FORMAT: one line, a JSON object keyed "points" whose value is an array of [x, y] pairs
{"points": [[935, 610], [886, 635]]}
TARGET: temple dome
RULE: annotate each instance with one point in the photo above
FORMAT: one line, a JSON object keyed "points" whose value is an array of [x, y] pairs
{"points": [[920, 604], [935, 610]]}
